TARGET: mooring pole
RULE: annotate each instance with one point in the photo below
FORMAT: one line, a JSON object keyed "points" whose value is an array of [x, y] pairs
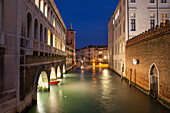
{"points": [[130, 77]]}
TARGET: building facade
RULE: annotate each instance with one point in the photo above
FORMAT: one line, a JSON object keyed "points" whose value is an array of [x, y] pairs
{"points": [[70, 49], [131, 18], [32, 42], [92, 54], [147, 62]]}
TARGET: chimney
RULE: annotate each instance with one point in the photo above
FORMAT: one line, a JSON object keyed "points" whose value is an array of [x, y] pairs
{"points": [[71, 26]]}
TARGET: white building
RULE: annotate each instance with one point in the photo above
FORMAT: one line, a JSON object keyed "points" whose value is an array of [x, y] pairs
{"points": [[131, 18]]}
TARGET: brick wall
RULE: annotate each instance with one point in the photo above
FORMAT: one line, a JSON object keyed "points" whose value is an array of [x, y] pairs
{"points": [[150, 47]]}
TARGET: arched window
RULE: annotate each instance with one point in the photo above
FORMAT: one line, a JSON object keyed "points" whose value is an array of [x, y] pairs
{"points": [[51, 40], [0, 14], [29, 25], [49, 14], [36, 29], [42, 5], [49, 37], [53, 21], [41, 32], [46, 9], [37, 2], [45, 35]]}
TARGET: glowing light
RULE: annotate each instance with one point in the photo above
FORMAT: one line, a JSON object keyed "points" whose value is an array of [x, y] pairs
{"points": [[43, 81], [93, 60], [94, 64], [105, 57], [53, 40], [82, 67], [100, 63], [49, 37], [64, 70], [53, 73], [58, 72], [134, 61]]}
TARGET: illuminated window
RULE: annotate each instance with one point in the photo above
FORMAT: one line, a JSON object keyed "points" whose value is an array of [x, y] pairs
{"points": [[53, 40], [37, 2], [48, 37], [152, 15], [42, 5], [53, 21], [164, 18], [163, 15], [113, 21], [123, 47], [120, 46], [46, 9]]}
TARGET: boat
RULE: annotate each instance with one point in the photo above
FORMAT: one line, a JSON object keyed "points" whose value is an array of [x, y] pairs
{"points": [[54, 82]]}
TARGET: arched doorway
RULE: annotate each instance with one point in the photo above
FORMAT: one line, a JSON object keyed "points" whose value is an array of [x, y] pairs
{"points": [[43, 84], [58, 72], [154, 77]]}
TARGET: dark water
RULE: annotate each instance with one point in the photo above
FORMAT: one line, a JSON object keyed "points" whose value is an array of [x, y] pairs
{"points": [[95, 90]]}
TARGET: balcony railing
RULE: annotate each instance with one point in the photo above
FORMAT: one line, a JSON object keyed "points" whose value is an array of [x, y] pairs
{"points": [[33, 44]]}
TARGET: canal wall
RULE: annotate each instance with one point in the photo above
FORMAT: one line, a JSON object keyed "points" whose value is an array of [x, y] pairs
{"points": [[147, 62]]}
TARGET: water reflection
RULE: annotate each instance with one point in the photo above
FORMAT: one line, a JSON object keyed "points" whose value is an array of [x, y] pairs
{"points": [[94, 90]]}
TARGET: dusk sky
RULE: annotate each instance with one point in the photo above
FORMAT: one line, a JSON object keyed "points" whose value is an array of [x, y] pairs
{"points": [[89, 18]]}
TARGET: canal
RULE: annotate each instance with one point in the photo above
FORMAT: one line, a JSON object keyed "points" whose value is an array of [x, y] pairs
{"points": [[94, 90]]}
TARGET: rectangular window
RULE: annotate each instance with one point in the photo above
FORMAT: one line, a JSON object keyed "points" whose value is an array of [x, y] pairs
{"points": [[152, 1], [164, 18], [163, 1], [152, 15], [152, 23], [133, 25], [132, 1]]}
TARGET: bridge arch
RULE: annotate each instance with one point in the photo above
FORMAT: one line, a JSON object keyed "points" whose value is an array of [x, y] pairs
{"points": [[41, 73]]}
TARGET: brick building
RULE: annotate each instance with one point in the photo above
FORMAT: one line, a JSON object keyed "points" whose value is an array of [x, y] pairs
{"points": [[148, 61]]}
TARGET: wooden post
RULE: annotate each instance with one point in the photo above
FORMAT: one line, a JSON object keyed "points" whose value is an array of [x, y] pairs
{"points": [[130, 77]]}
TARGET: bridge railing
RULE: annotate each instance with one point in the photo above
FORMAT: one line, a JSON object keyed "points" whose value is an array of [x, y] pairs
{"points": [[34, 44]]}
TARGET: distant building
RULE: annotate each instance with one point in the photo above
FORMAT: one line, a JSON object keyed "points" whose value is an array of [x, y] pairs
{"points": [[148, 62], [131, 18], [70, 48], [92, 53]]}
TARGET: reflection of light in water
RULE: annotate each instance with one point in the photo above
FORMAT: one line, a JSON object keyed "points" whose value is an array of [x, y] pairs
{"points": [[53, 73], [82, 67], [82, 77], [94, 64], [94, 70], [82, 71], [105, 72], [39, 104], [94, 80], [100, 69]]}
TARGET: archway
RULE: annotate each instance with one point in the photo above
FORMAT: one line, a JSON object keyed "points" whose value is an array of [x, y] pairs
{"points": [[154, 79], [53, 73], [43, 84], [58, 72]]}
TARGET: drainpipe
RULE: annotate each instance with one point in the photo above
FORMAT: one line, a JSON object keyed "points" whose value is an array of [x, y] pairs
{"points": [[157, 11], [128, 17]]}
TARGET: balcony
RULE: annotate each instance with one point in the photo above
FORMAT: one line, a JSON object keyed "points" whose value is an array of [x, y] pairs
{"points": [[35, 45]]}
